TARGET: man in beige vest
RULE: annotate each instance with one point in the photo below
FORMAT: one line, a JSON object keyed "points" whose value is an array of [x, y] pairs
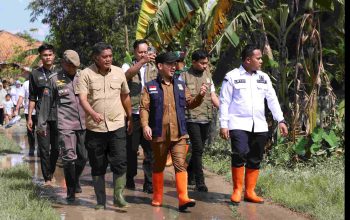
{"points": [[142, 70], [198, 119]]}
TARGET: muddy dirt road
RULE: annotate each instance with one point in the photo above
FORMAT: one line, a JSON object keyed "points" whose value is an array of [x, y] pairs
{"points": [[211, 205]]}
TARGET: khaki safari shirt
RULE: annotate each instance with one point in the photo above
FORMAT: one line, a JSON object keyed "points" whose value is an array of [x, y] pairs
{"points": [[103, 94], [170, 125]]}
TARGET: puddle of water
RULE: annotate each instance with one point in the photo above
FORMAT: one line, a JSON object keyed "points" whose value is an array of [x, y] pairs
{"points": [[10, 160]]}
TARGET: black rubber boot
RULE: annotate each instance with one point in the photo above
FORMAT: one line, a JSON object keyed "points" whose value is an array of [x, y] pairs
{"points": [[200, 184], [119, 184], [100, 191], [69, 175], [79, 168]]}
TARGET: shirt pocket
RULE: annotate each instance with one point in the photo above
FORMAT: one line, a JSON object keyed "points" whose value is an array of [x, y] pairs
{"points": [[96, 90], [41, 81], [262, 88], [115, 87]]}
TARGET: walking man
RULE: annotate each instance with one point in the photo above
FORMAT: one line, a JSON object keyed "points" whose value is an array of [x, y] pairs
{"points": [[71, 120], [104, 95], [163, 121], [198, 120], [38, 85], [141, 71], [242, 118]]}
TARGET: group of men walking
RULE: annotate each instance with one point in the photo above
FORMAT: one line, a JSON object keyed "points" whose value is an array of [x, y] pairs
{"points": [[102, 114]]}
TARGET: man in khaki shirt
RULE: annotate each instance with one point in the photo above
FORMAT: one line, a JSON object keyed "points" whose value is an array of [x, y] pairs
{"points": [[162, 112], [103, 90]]}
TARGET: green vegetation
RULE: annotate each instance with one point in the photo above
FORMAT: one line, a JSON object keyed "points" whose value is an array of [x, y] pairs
{"points": [[316, 190], [313, 186], [8, 146], [18, 199]]}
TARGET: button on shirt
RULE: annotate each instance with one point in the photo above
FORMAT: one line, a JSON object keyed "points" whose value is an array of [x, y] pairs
{"points": [[103, 94], [242, 101]]}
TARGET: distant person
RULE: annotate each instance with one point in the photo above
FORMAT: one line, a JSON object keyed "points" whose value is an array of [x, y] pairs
{"points": [[2, 99], [242, 119], [8, 108], [15, 92], [38, 86], [23, 97], [104, 94], [138, 74], [70, 118], [162, 111]]}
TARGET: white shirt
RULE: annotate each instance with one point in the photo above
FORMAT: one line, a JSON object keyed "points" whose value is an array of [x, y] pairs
{"points": [[125, 68], [242, 98], [15, 93], [26, 97], [8, 105]]}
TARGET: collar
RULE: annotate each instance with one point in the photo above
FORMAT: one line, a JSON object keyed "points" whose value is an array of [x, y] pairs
{"points": [[96, 69], [244, 71]]}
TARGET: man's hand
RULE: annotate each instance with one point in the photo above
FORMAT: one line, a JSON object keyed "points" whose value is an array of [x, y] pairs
{"points": [[204, 89], [30, 123], [148, 58], [224, 133], [283, 129], [130, 126], [97, 117], [147, 133]]}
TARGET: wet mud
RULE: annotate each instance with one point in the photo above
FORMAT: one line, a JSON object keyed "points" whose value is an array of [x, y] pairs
{"points": [[212, 205]]}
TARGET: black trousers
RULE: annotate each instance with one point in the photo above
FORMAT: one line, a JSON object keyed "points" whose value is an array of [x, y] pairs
{"points": [[247, 148], [133, 142], [199, 134], [107, 148], [1, 116], [31, 134], [48, 147]]}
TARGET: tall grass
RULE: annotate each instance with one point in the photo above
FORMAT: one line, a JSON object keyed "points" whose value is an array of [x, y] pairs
{"points": [[317, 191], [18, 198], [8, 146]]}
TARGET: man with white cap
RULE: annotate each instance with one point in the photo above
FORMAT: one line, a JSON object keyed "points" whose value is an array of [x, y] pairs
{"points": [[70, 120]]}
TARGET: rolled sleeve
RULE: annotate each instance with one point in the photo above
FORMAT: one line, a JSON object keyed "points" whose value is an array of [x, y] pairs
{"points": [[225, 101]]}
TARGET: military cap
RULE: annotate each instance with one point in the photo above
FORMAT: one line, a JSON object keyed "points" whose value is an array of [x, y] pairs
{"points": [[71, 56]]}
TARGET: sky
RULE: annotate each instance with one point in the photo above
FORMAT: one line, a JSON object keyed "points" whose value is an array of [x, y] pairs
{"points": [[14, 18]]}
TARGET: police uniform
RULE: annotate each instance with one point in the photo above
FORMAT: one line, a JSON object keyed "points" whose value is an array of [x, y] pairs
{"points": [[242, 111], [48, 145], [162, 108], [147, 73], [198, 123], [71, 123]]}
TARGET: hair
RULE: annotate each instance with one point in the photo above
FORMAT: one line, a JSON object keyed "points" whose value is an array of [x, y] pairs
{"points": [[45, 46], [199, 55], [138, 42], [7, 95], [248, 51], [99, 47]]}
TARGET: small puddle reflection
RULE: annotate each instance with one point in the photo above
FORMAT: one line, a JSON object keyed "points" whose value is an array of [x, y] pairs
{"points": [[10, 160]]}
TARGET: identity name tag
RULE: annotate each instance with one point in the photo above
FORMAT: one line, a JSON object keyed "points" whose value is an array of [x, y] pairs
{"points": [[180, 87]]}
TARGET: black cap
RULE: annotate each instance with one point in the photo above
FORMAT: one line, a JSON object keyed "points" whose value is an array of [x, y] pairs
{"points": [[168, 57]]}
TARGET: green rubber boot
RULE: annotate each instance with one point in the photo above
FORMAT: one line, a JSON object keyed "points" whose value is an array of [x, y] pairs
{"points": [[119, 184]]}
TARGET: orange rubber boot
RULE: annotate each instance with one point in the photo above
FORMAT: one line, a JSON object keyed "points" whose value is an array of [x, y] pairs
{"points": [[237, 179], [251, 177], [157, 181], [181, 186]]}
